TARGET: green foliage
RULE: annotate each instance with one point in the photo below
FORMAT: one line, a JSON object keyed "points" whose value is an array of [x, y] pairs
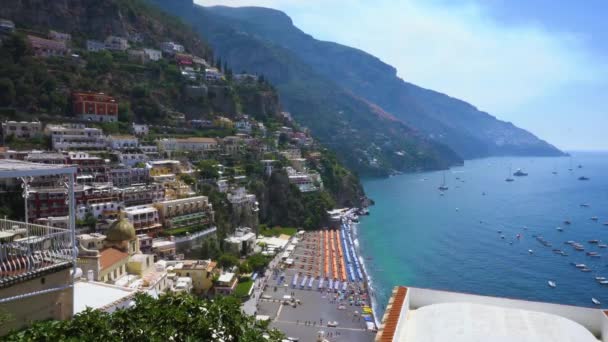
{"points": [[242, 289], [227, 260], [277, 231], [7, 92], [258, 262], [207, 169], [169, 318]]}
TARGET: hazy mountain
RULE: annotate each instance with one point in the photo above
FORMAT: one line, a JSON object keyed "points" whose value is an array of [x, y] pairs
{"points": [[365, 136], [458, 124]]}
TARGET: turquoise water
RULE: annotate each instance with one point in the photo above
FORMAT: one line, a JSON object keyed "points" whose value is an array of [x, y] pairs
{"points": [[418, 238]]}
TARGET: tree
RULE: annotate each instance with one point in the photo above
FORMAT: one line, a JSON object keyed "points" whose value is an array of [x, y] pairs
{"points": [[257, 262], [172, 317], [7, 92], [227, 260], [207, 169]]}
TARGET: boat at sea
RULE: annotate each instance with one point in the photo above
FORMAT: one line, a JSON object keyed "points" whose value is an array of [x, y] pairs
{"points": [[594, 218], [570, 242], [551, 283], [530, 251], [603, 282], [602, 245], [585, 270], [559, 229], [595, 301], [600, 278], [443, 186], [509, 178], [568, 222], [583, 178], [580, 265], [520, 173], [594, 241], [585, 205]]}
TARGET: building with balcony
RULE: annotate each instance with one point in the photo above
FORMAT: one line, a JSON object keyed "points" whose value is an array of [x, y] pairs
{"points": [[171, 48], [21, 129], [36, 262], [185, 212], [122, 142], [76, 137], [192, 144], [97, 107], [145, 219], [139, 194], [415, 314], [91, 169], [95, 46], [60, 36], [139, 129], [129, 176], [153, 55], [47, 48], [200, 271], [226, 284], [116, 43]]}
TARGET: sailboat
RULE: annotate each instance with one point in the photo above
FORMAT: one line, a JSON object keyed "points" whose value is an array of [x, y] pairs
{"points": [[554, 169], [509, 178], [443, 186]]}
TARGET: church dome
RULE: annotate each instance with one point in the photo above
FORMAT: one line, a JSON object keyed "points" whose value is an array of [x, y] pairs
{"points": [[121, 230]]}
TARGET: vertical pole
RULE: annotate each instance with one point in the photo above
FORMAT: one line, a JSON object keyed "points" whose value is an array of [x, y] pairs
{"points": [[72, 228]]}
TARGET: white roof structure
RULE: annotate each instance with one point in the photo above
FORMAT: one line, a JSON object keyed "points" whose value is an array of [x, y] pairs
{"points": [[101, 296], [226, 277], [10, 168], [464, 322]]}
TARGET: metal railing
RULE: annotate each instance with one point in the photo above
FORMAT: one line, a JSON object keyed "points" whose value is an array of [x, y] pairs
{"points": [[27, 247]]}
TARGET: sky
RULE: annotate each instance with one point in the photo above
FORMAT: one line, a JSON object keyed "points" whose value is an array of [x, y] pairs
{"points": [[540, 64]]}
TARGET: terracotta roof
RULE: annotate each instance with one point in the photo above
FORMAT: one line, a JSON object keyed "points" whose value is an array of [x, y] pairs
{"points": [[391, 317], [111, 256]]}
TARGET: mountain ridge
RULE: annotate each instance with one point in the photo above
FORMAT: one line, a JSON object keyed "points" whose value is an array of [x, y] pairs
{"points": [[440, 116]]}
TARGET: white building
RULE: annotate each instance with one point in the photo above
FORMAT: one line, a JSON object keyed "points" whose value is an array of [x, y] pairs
{"points": [[213, 74], [76, 136], [132, 159], [140, 129], [21, 129], [243, 126], [171, 48], [242, 242], [417, 315], [305, 181], [153, 55], [143, 194], [192, 144], [117, 43], [145, 219], [95, 46], [97, 210], [122, 142]]}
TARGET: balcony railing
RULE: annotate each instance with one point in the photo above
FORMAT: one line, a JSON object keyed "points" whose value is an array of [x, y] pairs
{"points": [[27, 248]]}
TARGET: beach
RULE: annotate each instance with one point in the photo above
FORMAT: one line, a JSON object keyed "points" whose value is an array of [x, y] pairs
{"points": [[319, 289]]}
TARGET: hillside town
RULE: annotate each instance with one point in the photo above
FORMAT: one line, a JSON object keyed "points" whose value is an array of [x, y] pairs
{"points": [[160, 208]]}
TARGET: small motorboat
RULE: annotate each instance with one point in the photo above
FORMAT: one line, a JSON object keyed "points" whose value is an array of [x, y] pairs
{"points": [[567, 222], [580, 265], [570, 242], [559, 229], [502, 237], [551, 283], [557, 251], [579, 248], [603, 282], [600, 278], [530, 251], [595, 301], [583, 178], [585, 270], [585, 205], [520, 173], [594, 241], [591, 253], [602, 245], [594, 218], [606, 223]]}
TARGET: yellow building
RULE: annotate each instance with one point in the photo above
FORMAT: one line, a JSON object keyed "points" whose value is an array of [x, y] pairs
{"points": [[200, 271]]}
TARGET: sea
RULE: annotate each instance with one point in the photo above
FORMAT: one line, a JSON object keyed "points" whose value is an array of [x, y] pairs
{"points": [[417, 237]]}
